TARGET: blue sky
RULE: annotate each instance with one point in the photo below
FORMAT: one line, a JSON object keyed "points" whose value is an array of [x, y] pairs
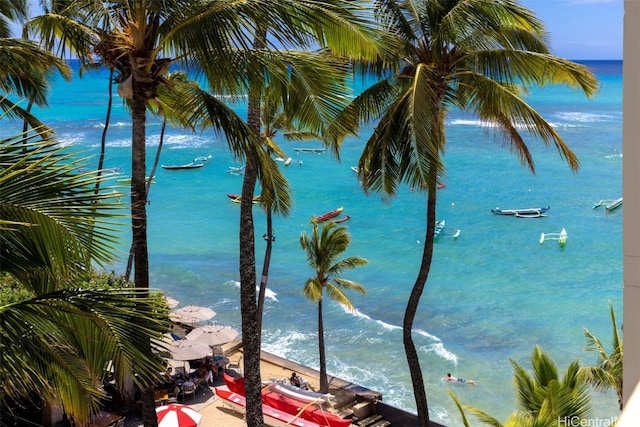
{"points": [[582, 29]]}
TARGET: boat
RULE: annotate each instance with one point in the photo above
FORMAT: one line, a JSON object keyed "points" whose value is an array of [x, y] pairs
{"points": [[237, 198], [561, 237], [283, 387], [441, 230], [272, 417], [522, 212], [236, 170], [202, 158], [329, 215], [191, 165], [343, 219], [306, 410], [310, 150], [609, 205], [355, 169], [531, 215]]}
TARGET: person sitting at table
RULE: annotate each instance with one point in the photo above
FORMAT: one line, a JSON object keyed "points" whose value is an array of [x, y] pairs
{"points": [[205, 375], [168, 375]]}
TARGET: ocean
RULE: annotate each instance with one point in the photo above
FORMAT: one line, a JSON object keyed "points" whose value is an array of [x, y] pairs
{"points": [[493, 293]]}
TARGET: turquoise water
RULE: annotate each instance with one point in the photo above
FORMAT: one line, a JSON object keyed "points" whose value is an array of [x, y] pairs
{"points": [[493, 293]]}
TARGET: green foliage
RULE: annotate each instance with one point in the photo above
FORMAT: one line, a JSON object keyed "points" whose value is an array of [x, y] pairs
{"points": [[543, 396], [607, 372]]}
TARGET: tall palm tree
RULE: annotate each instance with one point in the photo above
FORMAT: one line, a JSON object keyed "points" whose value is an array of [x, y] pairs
{"points": [[323, 252], [475, 56], [607, 373], [216, 39], [274, 120], [544, 399], [58, 339]]}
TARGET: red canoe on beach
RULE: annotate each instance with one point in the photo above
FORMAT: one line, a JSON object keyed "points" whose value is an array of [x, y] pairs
{"points": [[272, 416], [329, 215], [289, 405]]}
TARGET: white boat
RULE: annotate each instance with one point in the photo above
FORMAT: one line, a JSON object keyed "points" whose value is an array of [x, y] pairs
{"points": [[309, 396], [440, 230], [310, 150], [561, 237], [272, 417], [521, 212], [236, 170], [609, 205]]}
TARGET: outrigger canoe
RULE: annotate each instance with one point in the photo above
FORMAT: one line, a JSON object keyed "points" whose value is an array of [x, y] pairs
{"points": [[272, 417], [329, 215], [305, 410], [521, 212], [183, 167], [237, 198]]}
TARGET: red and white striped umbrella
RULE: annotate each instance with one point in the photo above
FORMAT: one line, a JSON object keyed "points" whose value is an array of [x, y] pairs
{"points": [[177, 415]]}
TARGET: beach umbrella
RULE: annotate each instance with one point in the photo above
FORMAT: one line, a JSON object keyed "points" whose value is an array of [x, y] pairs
{"points": [[213, 334], [177, 415], [191, 314], [188, 350], [171, 302]]}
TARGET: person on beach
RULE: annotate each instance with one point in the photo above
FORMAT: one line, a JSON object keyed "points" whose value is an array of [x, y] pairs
{"points": [[453, 379]]}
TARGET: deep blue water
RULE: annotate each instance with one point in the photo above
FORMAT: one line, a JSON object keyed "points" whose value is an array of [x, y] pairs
{"points": [[493, 293]]}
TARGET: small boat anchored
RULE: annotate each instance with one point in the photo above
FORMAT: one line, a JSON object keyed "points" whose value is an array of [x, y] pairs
{"points": [[561, 237], [441, 230], [609, 205], [522, 213], [329, 215], [237, 198], [191, 165], [310, 150]]}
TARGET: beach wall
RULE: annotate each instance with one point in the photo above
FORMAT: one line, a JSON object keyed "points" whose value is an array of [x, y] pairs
{"points": [[400, 417]]}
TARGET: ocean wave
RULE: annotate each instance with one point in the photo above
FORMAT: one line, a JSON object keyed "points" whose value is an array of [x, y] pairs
{"points": [[584, 117], [439, 349], [269, 294]]}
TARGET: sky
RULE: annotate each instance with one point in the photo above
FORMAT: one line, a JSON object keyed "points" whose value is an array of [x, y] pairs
{"points": [[579, 29], [582, 29]]}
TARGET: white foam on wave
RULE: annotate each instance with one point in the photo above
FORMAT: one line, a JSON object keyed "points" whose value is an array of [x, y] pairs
{"points": [[437, 346], [584, 117], [485, 124], [269, 294], [439, 349]]}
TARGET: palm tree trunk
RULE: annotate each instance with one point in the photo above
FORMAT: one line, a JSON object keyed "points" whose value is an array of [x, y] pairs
{"points": [[139, 221], [248, 306], [127, 273], [103, 139], [265, 268], [413, 360], [324, 383]]}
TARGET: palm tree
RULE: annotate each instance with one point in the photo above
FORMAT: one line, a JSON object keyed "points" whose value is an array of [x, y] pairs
{"points": [[58, 338], [544, 399], [323, 251], [607, 373], [273, 119], [475, 56], [216, 39]]}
